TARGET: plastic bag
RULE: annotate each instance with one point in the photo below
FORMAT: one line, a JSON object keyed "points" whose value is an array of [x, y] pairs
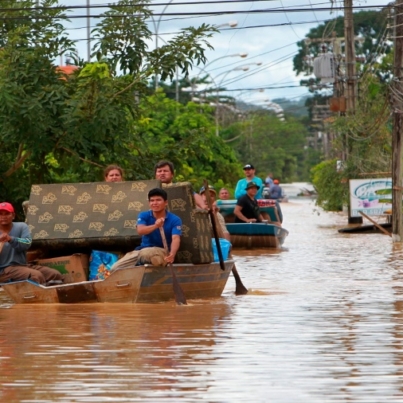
{"points": [[101, 264], [225, 249]]}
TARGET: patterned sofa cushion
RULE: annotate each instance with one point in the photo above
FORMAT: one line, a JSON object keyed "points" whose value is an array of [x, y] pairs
{"points": [[86, 215], [196, 246]]}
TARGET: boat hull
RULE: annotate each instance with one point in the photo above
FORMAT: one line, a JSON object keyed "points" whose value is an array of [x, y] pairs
{"points": [[138, 284], [197, 281], [121, 286], [256, 235]]}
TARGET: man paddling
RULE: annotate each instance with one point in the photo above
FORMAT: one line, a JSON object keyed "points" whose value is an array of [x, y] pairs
{"points": [[150, 222], [148, 225], [15, 240]]}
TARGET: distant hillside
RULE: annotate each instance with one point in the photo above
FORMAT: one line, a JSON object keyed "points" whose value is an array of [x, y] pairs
{"points": [[296, 108]]}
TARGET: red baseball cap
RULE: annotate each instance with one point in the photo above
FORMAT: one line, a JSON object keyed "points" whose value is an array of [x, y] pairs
{"points": [[7, 207]]}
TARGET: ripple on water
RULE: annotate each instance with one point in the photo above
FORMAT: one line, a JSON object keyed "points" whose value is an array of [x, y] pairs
{"points": [[323, 323]]}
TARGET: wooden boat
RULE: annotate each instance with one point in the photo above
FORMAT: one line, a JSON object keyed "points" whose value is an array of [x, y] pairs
{"points": [[140, 284], [67, 220], [254, 235]]}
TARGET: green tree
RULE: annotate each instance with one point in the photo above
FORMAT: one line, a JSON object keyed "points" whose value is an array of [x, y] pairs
{"points": [[58, 128], [269, 143], [185, 135], [331, 186]]}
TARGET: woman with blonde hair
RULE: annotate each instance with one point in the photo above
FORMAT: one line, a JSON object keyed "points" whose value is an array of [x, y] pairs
{"points": [[113, 173]]}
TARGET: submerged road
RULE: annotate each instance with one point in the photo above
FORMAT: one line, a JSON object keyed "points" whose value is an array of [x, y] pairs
{"points": [[323, 322]]}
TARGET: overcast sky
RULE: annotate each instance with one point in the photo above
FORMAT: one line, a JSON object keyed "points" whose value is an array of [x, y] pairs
{"points": [[266, 30]]}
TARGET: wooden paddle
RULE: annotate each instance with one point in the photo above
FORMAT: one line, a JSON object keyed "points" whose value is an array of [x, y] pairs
{"points": [[178, 292], [1, 246], [240, 289]]}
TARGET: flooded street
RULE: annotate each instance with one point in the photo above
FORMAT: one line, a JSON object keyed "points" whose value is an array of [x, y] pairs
{"points": [[323, 322]]}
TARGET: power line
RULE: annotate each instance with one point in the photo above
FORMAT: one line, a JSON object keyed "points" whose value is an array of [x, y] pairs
{"points": [[206, 13]]}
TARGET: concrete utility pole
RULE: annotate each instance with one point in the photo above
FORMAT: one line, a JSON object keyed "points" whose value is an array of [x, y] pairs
{"points": [[397, 228], [88, 32], [351, 88]]}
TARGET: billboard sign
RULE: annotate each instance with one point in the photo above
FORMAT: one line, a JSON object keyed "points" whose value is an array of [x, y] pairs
{"points": [[371, 196]]}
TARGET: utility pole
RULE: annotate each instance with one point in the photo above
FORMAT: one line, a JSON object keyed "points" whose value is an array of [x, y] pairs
{"points": [[88, 32], [397, 228], [351, 87]]}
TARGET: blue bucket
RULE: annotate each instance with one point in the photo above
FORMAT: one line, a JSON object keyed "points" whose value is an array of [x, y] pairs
{"points": [[225, 249]]}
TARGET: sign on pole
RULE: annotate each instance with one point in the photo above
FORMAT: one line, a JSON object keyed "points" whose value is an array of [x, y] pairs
{"points": [[371, 196]]}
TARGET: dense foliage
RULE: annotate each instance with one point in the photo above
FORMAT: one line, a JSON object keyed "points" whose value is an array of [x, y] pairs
{"points": [[271, 144], [361, 139], [67, 128]]}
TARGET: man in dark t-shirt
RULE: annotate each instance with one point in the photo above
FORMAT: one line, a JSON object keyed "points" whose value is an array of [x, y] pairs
{"points": [[247, 209]]}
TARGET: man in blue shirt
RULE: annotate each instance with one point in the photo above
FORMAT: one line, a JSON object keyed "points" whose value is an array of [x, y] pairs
{"points": [[148, 225], [150, 222], [240, 189]]}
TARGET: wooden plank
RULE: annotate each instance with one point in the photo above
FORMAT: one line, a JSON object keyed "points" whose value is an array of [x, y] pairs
{"points": [[376, 224]]}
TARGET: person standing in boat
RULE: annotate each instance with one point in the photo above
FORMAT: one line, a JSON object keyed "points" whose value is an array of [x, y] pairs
{"points": [[276, 192], [15, 240], [249, 170], [148, 226], [247, 210], [269, 180], [164, 172]]}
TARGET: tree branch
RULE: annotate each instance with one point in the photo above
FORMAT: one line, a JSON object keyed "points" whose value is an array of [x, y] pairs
{"points": [[234, 138], [20, 159], [125, 89], [82, 159]]}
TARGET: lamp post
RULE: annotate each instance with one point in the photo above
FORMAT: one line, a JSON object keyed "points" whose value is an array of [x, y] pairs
{"points": [[225, 73], [156, 25], [278, 110], [203, 70], [88, 31], [218, 85], [231, 24]]}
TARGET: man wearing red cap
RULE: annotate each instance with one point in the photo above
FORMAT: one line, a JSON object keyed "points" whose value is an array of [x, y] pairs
{"points": [[275, 190], [15, 240]]}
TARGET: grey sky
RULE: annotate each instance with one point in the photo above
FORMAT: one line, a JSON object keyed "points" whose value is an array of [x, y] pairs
{"points": [[267, 31]]}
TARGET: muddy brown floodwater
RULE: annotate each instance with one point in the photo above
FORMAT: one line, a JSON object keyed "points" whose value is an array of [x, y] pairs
{"points": [[323, 322]]}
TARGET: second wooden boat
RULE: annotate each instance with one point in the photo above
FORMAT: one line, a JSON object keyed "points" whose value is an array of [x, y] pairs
{"points": [[256, 235], [269, 234]]}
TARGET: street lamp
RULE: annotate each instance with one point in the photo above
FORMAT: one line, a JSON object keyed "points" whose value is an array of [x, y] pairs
{"points": [[156, 30], [278, 110], [225, 73], [231, 24], [241, 55], [244, 67]]}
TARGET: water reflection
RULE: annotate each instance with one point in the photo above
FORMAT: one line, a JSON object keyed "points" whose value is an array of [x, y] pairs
{"points": [[323, 322]]}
